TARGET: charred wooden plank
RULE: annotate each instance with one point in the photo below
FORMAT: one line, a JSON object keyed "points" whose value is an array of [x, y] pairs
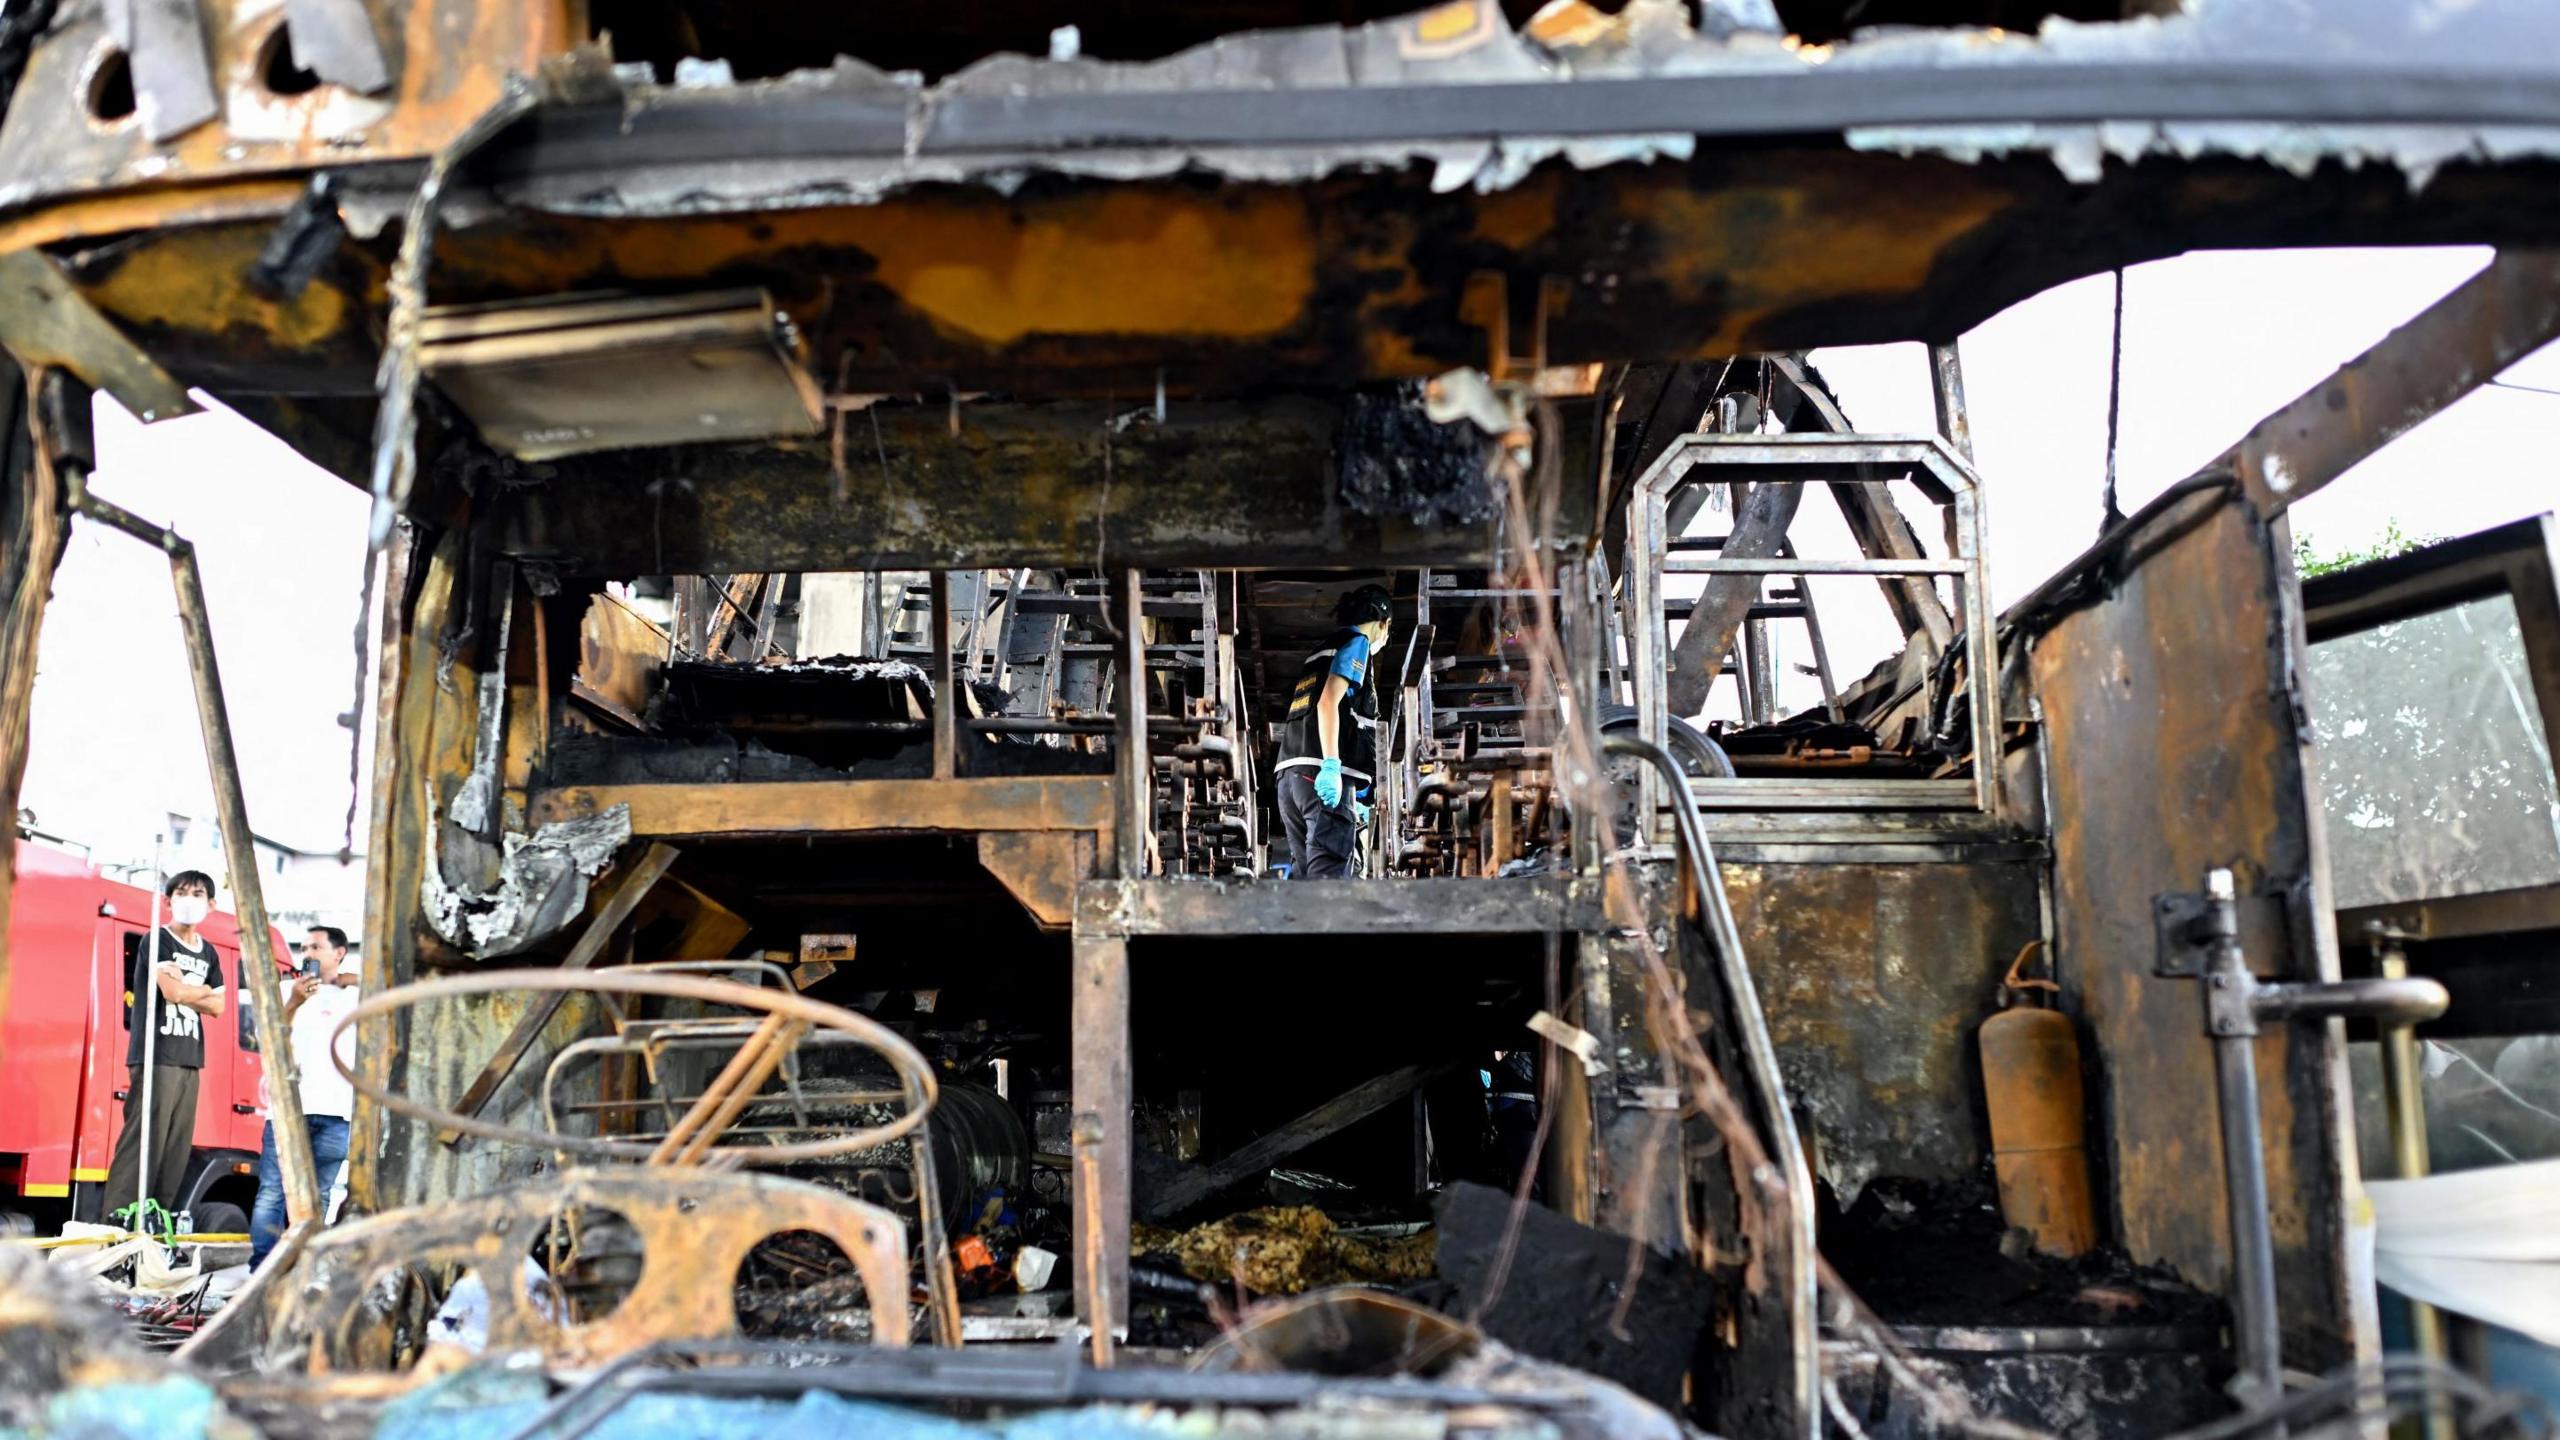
{"points": [[1203, 1183]]}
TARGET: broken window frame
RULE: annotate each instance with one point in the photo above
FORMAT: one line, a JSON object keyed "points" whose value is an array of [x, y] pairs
{"points": [[1807, 458], [2468, 941]]}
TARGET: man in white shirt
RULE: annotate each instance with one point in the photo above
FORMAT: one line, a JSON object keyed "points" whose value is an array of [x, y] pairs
{"points": [[319, 999]]}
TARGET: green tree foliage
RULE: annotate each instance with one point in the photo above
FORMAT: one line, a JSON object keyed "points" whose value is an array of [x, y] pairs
{"points": [[2434, 769], [2308, 561]]}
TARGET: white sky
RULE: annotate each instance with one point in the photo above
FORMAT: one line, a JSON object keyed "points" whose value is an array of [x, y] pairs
{"points": [[2212, 343]]}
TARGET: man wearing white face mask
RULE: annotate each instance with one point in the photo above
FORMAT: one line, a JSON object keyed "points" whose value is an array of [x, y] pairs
{"points": [[176, 993]]}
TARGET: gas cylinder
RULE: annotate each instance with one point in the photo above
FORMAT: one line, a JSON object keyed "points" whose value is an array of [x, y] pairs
{"points": [[2031, 1086]]}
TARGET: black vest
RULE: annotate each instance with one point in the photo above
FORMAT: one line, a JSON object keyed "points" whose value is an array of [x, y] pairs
{"points": [[1358, 750]]}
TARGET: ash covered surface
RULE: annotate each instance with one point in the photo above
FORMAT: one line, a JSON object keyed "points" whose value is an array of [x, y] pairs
{"points": [[701, 692], [1938, 1253], [70, 1366], [1396, 460], [851, 667]]}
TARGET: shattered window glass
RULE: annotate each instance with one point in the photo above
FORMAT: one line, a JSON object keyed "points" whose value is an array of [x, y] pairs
{"points": [[2490, 1101], [2435, 767]]}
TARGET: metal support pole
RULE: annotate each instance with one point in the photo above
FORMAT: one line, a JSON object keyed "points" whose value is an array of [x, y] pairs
{"points": [[2253, 1263], [1968, 538], [1946, 387], [2404, 1100], [1099, 1083], [2199, 937], [1137, 778], [1760, 657], [1750, 1023], [946, 685], [149, 1020], [1582, 599], [257, 962], [2256, 1328], [2232, 1025]]}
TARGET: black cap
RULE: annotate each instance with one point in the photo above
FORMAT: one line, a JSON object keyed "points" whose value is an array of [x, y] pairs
{"points": [[1359, 607]]}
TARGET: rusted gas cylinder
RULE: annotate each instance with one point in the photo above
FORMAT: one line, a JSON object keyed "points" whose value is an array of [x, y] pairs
{"points": [[2039, 1144]]}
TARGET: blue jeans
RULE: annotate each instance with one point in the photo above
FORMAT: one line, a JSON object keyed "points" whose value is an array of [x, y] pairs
{"points": [[328, 1155]]}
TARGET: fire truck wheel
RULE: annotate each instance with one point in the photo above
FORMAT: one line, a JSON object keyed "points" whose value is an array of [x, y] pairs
{"points": [[221, 1217]]}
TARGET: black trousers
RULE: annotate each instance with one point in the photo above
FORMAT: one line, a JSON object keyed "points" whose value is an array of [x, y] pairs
{"points": [[1321, 837], [173, 1137]]}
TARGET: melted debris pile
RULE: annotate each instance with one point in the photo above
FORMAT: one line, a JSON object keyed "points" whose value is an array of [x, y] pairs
{"points": [[67, 1367], [1396, 460], [1938, 1253], [1287, 1250]]}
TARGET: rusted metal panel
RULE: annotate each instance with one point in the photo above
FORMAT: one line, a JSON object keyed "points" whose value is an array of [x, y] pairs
{"points": [[991, 486], [1041, 869], [1056, 290], [427, 736], [1875, 977], [451, 59], [1639, 1178], [2174, 743], [1536, 904], [841, 807], [695, 1228]]}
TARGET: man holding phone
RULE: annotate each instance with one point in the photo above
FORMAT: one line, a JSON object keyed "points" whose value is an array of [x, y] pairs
{"points": [[320, 997]]}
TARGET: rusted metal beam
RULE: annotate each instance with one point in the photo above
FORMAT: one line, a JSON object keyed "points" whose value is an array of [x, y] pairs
{"points": [[1099, 1081], [48, 325], [653, 863], [1041, 868], [1759, 532], [1271, 1147], [1436, 905], [258, 964], [1132, 778], [842, 807], [1038, 485], [946, 683], [1946, 389], [2451, 348], [33, 527]]}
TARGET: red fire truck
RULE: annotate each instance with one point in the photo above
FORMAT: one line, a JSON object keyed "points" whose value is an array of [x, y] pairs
{"points": [[62, 1050]]}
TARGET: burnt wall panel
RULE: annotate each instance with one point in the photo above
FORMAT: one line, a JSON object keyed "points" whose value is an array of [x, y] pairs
{"points": [[1874, 977], [431, 1053], [2175, 744]]}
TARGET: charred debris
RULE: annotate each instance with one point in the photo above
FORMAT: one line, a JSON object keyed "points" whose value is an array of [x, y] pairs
{"points": [[849, 534]]}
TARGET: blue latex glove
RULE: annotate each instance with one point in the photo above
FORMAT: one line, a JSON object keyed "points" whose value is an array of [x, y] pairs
{"points": [[1359, 813], [1329, 783]]}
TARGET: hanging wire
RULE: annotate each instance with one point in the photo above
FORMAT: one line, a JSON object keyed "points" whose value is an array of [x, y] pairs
{"points": [[2113, 514]]}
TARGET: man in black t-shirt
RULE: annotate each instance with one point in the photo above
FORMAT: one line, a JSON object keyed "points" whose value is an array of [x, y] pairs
{"points": [[172, 986]]}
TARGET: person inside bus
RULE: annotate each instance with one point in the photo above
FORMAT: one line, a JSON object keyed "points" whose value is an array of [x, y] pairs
{"points": [[1329, 742], [173, 980], [319, 999]]}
